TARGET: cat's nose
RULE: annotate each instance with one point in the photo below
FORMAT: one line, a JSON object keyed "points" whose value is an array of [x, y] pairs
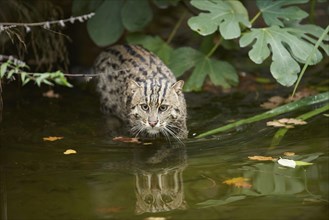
{"points": [[153, 123]]}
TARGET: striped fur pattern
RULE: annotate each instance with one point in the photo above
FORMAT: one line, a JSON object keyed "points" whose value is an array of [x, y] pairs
{"points": [[136, 86]]}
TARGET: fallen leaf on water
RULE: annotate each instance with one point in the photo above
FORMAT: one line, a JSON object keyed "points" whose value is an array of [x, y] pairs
{"points": [[240, 182], [286, 122], [51, 138], [51, 94], [293, 121], [155, 218], [293, 163], [289, 154], [70, 151], [109, 210], [303, 163], [127, 140], [273, 102], [276, 101], [261, 158]]}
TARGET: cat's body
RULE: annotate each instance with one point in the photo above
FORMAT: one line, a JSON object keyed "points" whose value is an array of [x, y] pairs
{"points": [[136, 86]]}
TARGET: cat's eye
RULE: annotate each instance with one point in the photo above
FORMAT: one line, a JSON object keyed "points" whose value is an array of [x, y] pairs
{"points": [[145, 107], [163, 108]]}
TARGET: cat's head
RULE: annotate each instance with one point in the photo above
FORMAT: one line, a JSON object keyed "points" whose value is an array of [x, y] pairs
{"points": [[156, 107]]}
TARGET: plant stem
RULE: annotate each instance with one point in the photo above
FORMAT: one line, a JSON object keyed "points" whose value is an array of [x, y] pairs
{"points": [[174, 31], [325, 32], [255, 17], [322, 97], [282, 131], [312, 8], [214, 47]]}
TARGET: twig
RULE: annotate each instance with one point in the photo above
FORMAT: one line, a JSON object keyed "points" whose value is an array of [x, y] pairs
{"points": [[45, 24]]}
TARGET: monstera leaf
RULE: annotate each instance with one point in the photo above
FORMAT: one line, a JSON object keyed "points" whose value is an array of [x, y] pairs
{"points": [[224, 16], [287, 47], [274, 10]]}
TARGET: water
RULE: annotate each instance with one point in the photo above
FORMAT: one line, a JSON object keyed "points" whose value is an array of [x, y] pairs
{"points": [[111, 180]]}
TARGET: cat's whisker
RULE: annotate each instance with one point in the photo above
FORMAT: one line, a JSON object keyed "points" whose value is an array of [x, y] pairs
{"points": [[172, 133]]}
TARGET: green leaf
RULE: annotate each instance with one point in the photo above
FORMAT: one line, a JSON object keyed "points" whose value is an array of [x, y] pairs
{"points": [[106, 27], [183, 59], [275, 11], [286, 48], [212, 202], [195, 81], [302, 163], [223, 15], [3, 69], [154, 44], [221, 74], [80, 7], [136, 14]]}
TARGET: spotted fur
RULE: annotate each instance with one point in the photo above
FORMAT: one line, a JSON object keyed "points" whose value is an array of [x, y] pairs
{"points": [[136, 86]]}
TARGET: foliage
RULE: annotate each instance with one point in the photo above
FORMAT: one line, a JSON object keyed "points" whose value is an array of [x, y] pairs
{"points": [[283, 39], [105, 28], [224, 16], [183, 59], [10, 69]]}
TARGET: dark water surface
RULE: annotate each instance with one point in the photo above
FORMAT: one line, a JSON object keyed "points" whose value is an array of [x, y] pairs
{"points": [[111, 180]]}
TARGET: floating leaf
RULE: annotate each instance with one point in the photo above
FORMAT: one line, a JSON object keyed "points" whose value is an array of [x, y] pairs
{"points": [[303, 163], [273, 102], [287, 163], [224, 16], [136, 14], [275, 11], [287, 48], [106, 27], [51, 94], [52, 138], [127, 140], [261, 158], [240, 182], [289, 154], [69, 151]]}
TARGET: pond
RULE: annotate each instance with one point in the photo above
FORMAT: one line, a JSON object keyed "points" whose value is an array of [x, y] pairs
{"points": [[155, 180]]}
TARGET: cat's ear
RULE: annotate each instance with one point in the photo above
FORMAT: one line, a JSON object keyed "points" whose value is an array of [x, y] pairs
{"points": [[178, 86], [133, 86]]}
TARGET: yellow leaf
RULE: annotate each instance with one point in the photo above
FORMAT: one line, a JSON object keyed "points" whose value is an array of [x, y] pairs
{"points": [[70, 151], [261, 158], [50, 138], [240, 182], [289, 154], [127, 140], [50, 94]]}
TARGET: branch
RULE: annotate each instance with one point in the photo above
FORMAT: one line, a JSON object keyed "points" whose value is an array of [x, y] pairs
{"points": [[45, 24]]}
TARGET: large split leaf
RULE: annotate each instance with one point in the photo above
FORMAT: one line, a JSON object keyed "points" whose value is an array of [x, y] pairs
{"points": [[273, 11], [286, 47], [105, 27], [221, 15], [136, 14]]}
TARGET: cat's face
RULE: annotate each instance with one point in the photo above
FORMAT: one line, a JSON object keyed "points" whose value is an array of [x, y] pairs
{"points": [[156, 108]]}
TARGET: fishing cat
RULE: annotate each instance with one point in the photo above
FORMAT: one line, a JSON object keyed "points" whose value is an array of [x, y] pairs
{"points": [[136, 86]]}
